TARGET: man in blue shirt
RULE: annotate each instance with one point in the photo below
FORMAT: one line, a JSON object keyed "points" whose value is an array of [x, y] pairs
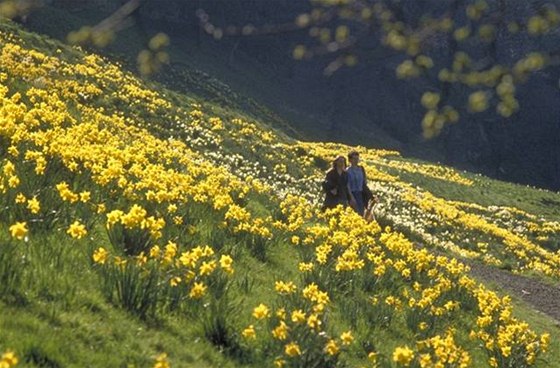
{"points": [[357, 183]]}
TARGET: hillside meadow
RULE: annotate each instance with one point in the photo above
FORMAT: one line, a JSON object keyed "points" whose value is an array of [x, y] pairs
{"points": [[141, 227]]}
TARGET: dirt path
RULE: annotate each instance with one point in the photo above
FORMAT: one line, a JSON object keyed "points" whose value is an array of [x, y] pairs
{"points": [[541, 296]]}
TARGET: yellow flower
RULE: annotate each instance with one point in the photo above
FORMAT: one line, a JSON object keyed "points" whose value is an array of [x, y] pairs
{"points": [[175, 281], [113, 217], [65, 193], [292, 349], [12, 150], [136, 216], [9, 169], [19, 230], [33, 205], [545, 339], [101, 208], [77, 230], [426, 360], [100, 255], [285, 287], [207, 268], [13, 181], [85, 196], [261, 311], [207, 251], [281, 313], [119, 261], [189, 275], [346, 338], [141, 259], [9, 359], [161, 361], [298, 316], [155, 251], [313, 321], [198, 290], [249, 332], [280, 332], [20, 198], [170, 252], [331, 348], [226, 263], [403, 355], [305, 267]]}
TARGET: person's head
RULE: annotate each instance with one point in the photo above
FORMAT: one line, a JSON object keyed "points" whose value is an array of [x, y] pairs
{"points": [[339, 163], [354, 157]]}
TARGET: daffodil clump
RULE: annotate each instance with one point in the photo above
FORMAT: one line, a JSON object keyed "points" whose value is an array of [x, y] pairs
{"points": [[140, 187], [8, 359], [340, 256], [299, 330], [162, 361]]}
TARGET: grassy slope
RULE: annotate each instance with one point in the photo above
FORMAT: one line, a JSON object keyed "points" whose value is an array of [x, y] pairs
{"points": [[490, 192], [59, 316]]}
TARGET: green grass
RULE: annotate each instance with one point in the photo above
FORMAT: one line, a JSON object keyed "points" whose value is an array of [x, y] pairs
{"points": [[488, 192]]}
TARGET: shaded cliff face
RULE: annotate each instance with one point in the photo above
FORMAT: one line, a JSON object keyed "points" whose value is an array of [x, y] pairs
{"points": [[366, 104], [75, 5]]}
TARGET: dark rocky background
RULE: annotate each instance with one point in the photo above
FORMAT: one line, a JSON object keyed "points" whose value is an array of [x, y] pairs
{"points": [[364, 105]]}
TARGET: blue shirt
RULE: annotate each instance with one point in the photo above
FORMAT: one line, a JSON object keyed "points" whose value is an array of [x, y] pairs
{"points": [[355, 178]]}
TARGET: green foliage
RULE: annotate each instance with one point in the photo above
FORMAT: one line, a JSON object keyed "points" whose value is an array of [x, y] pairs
{"points": [[134, 289], [10, 269]]}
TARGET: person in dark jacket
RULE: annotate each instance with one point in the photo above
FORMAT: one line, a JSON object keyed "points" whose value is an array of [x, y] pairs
{"points": [[335, 185], [360, 194]]}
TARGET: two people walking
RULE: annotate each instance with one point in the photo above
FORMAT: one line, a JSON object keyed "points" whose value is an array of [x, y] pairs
{"points": [[347, 185]]}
